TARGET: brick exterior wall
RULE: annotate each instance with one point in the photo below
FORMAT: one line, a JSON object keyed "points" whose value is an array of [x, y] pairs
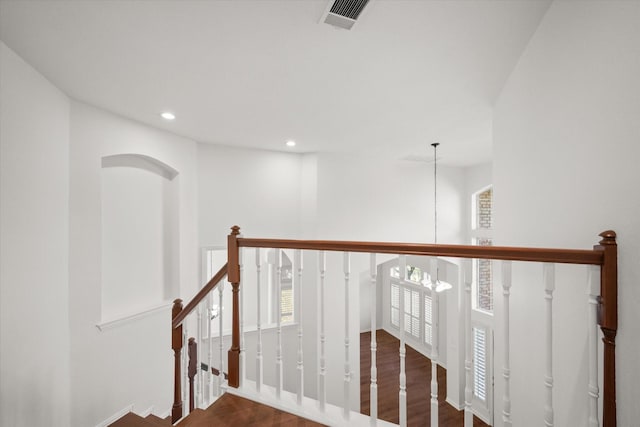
{"points": [[484, 202], [484, 296]]}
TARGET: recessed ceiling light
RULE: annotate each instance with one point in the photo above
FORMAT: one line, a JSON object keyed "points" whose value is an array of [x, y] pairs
{"points": [[291, 143], [168, 116]]}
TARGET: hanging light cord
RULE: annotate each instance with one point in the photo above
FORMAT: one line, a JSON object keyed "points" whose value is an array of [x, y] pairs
{"points": [[435, 192], [435, 201]]}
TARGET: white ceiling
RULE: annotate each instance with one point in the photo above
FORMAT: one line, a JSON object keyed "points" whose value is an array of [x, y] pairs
{"points": [[256, 73]]}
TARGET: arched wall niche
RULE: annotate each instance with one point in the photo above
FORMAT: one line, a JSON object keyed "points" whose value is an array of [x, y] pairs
{"points": [[140, 234]]}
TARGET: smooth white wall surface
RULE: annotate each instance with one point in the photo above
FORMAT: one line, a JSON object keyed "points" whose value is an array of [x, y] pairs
{"points": [[257, 190], [381, 199], [133, 244], [34, 236], [566, 168], [132, 363]]}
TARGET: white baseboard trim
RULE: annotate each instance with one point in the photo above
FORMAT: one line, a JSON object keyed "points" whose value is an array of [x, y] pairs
{"points": [[164, 414], [146, 412], [456, 405], [121, 413]]}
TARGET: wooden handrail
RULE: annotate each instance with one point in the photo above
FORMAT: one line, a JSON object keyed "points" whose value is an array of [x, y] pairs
{"points": [[564, 256], [211, 285]]}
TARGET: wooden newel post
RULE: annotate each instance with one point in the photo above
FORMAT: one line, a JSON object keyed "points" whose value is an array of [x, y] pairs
{"points": [[193, 369], [176, 345], [233, 275], [608, 320]]}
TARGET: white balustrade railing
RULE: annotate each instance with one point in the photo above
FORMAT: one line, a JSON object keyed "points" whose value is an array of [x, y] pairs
{"points": [[593, 291], [407, 319], [209, 318], [405, 324], [221, 336], [435, 315], [297, 289], [278, 280], [322, 374], [549, 286], [373, 393], [198, 378], [402, 394], [467, 266], [347, 322], [259, 357], [506, 370]]}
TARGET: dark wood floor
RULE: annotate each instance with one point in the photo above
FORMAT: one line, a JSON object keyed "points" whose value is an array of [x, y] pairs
{"points": [[230, 410], [418, 371]]}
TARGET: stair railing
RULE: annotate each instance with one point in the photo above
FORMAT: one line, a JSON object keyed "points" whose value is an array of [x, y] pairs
{"points": [[603, 310], [178, 316]]}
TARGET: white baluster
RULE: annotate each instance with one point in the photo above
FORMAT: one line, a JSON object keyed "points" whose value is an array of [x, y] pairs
{"points": [[209, 346], [373, 400], [467, 265], [322, 391], [242, 360], [185, 366], [347, 366], [259, 371], [297, 288], [549, 286], [220, 336], [506, 372], [402, 394], [593, 291], [278, 268], [435, 336], [199, 384]]}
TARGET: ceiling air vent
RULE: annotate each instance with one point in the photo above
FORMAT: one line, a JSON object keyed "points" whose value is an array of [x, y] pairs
{"points": [[343, 13]]}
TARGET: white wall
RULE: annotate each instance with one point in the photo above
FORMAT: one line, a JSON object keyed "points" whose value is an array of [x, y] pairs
{"points": [[132, 363], [34, 278], [382, 199], [257, 190], [566, 154], [136, 253]]}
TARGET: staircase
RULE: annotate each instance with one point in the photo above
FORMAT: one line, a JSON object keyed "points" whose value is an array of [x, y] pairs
{"points": [[133, 420], [228, 410]]}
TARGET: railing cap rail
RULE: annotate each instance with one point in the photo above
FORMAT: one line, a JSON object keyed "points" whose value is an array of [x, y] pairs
{"points": [[210, 286], [563, 256]]}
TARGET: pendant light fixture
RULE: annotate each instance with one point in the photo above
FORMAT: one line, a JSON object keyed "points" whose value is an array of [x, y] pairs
{"points": [[437, 285]]}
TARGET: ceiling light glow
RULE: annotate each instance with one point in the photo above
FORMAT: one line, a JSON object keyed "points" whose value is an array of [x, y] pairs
{"points": [[291, 143], [168, 116]]}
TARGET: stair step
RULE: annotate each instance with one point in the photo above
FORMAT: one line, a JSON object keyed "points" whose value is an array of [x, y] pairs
{"points": [[194, 419], [132, 420], [157, 421]]}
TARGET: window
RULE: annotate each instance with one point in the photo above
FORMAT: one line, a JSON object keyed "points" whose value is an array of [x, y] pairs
{"points": [[480, 364], [417, 319], [412, 312], [395, 305], [482, 221], [483, 278], [414, 274], [428, 324]]}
